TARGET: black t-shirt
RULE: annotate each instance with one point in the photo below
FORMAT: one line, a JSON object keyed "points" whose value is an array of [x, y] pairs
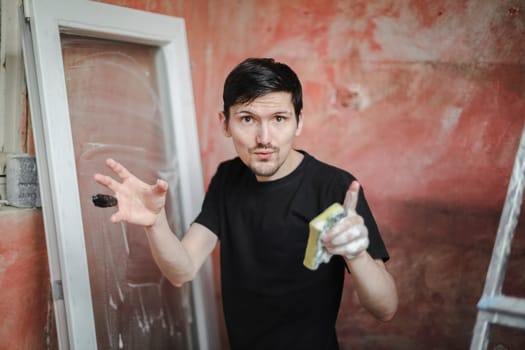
{"points": [[270, 300]]}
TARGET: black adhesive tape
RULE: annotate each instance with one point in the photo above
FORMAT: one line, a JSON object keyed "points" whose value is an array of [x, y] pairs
{"points": [[104, 200]]}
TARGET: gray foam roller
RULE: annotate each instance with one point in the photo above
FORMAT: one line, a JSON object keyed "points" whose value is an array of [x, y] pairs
{"points": [[22, 181]]}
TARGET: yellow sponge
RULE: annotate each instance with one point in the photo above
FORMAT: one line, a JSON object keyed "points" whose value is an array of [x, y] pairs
{"points": [[315, 253]]}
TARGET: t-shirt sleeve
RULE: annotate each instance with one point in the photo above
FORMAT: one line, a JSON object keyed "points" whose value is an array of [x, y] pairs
{"points": [[376, 248], [210, 211]]}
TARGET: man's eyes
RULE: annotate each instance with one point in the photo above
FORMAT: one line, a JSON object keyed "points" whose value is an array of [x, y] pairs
{"points": [[247, 119]]}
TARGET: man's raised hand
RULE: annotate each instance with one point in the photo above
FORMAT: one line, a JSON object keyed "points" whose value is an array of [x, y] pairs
{"points": [[349, 237], [138, 202]]}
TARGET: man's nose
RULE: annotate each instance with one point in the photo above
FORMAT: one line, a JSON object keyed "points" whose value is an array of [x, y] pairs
{"points": [[263, 134]]}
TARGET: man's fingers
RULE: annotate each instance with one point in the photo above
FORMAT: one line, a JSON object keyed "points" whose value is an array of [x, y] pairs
{"points": [[116, 218], [118, 168], [107, 181], [353, 237], [160, 187], [350, 202], [350, 242], [352, 249], [346, 236]]}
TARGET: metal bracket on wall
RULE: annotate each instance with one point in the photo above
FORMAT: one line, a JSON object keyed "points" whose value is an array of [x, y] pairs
{"points": [[3, 191], [27, 10], [58, 290], [494, 307]]}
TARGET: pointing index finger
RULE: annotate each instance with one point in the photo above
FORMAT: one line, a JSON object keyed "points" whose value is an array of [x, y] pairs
{"points": [[351, 197]]}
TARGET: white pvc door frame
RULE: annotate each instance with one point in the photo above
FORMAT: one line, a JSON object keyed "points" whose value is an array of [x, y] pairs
{"points": [[55, 156]]}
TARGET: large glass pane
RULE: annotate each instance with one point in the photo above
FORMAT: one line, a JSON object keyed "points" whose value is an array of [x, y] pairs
{"points": [[116, 111]]}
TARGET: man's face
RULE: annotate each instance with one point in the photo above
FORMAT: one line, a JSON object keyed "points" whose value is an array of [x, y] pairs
{"points": [[263, 132]]}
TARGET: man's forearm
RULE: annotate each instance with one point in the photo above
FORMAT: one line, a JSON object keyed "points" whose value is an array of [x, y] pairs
{"points": [[169, 253], [374, 286]]}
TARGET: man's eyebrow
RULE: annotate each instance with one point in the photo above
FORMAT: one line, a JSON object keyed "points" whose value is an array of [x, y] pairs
{"points": [[246, 111], [283, 112]]}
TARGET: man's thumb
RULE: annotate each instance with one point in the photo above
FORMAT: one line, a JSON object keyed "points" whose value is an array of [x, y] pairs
{"points": [[160, 186], [350, 202]]}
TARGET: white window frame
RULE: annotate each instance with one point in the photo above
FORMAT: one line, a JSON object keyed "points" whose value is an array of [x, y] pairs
{"points": [[12, 85], [55, 155]]}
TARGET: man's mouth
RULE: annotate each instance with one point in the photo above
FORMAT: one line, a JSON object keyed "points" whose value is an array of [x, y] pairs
{"points": [[263, 154], [264, 151]]}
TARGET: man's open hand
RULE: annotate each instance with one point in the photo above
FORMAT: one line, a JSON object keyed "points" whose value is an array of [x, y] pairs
{"points": [[138, 202]]}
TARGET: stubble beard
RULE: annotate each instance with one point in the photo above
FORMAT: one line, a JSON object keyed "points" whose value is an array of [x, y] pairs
{"points": [[266, 168]]}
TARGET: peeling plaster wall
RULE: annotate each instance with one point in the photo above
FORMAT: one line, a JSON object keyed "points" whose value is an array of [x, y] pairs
{"points": [[423, 101], [25, 298]]}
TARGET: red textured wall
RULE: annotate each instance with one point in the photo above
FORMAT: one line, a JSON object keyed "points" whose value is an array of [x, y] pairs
{"points": [[25, 308], [423, 101]]}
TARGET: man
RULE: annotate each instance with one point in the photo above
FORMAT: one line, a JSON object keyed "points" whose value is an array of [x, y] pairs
{"points": [[259, 205]]}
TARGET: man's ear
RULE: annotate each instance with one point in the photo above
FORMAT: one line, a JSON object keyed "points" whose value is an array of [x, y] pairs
{"points": [[299, 125], [224, 124]]}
